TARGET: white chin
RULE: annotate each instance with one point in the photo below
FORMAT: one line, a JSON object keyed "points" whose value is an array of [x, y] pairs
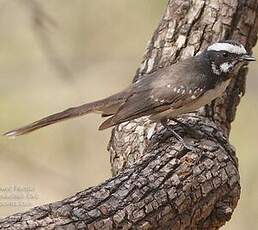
{"points": [[226, 67]]}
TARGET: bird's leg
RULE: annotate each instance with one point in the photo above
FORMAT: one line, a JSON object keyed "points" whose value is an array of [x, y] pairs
{"points": [[189, 128], [176, 135]]}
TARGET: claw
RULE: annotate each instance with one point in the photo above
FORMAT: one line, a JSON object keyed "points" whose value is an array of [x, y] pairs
{"points": [[177, 136]]}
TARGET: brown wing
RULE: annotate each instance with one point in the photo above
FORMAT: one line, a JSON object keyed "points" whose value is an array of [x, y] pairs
{"points": [[156, 93]]}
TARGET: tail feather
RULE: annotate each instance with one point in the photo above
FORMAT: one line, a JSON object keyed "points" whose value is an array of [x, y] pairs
{"points": [[107, 124], [54, 118], [105, 106]]}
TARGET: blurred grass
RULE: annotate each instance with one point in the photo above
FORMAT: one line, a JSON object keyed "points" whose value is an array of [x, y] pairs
{"points": [[102, 43]]}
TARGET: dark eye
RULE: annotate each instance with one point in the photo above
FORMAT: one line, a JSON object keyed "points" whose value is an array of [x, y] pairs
{"points": [[225, 54]]}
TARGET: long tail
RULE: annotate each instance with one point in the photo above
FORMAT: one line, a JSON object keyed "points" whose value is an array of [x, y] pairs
{"points": [[107, 106]]}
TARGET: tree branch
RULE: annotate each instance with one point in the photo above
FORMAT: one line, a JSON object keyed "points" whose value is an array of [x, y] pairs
{"points": [[157, 183]]}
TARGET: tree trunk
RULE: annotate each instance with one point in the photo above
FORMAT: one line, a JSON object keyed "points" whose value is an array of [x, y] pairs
{"points": [[157, 183]]}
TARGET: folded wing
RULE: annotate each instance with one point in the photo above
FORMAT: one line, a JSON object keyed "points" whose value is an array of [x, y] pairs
{"points": [[155, 96]]}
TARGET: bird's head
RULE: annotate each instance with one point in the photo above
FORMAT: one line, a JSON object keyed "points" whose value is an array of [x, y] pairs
{"points": [[227, 57]]}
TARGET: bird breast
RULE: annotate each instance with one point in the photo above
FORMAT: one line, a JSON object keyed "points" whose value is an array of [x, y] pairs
{"points": [[210, 95]]}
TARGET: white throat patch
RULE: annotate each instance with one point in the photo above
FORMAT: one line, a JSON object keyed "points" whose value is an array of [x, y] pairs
{"points": [[227, 47], [226, 67], [215, 69]]}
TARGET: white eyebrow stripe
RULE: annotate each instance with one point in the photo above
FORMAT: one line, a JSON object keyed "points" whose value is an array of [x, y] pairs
{"points": [[228, 47]]}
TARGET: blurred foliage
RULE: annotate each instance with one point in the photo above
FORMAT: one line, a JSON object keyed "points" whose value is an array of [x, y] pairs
{"points": [[76, 52]]}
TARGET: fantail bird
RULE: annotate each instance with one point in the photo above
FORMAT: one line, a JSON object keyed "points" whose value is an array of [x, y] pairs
{"points": [[178, 89]]}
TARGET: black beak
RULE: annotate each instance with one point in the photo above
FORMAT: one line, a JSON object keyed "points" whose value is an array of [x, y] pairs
{"points": [[247, 57]]}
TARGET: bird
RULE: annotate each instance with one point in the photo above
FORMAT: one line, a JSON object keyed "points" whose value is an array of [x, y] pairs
{"points": [[165, 94]]}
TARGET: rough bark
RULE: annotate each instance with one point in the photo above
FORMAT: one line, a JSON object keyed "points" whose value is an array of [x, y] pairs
{"points": [[157, 183]]}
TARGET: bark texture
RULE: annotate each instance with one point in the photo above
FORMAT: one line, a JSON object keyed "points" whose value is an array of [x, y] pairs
{"points": [[157, 183]]}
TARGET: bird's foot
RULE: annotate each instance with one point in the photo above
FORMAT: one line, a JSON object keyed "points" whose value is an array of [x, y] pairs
{"points": [[188, 128], [177, 136]]}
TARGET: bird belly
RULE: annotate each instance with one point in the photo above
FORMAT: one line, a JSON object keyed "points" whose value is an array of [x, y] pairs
{"points": [[203, 100]]}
